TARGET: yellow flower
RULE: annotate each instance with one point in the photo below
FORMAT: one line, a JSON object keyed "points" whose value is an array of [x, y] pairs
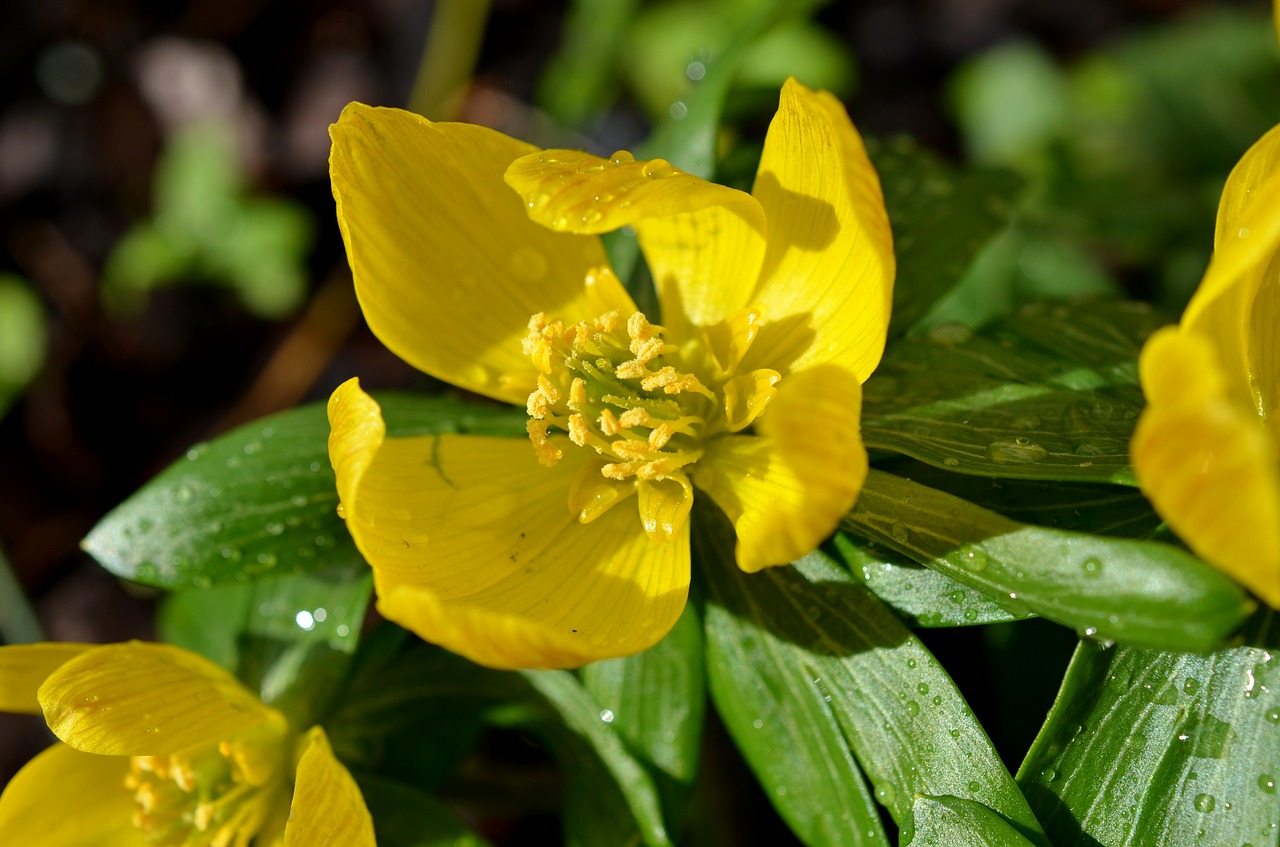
{"points": [[162, 747], [775, 306], [1207, 447]]}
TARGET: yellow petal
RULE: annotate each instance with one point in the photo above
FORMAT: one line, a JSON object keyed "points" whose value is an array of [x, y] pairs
{"points": [[65, 798], [704, 242], [1207, 465], [474, 546], [448, 267], [140, 699], [664, 506], [328, 809], [827, 282], [24, 667], [787, 488], [1238, 288]]}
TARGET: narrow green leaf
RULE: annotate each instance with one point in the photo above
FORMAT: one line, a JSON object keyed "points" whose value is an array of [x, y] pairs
{"points": [[921, 596], [655, 701], [941, 218], [610, 797], [809, 670], [289, 637], [1157, 749], [1139, 592], [1051, 393], [581, 79], [259, 500], [1082, 506], [404, 816], [957, 822]]}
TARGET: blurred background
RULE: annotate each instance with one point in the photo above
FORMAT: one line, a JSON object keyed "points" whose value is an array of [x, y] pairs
{"points": [[170, 265]]}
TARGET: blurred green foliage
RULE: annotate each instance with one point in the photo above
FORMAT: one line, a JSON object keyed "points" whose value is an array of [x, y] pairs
{"points": [[206, 227], [659, 51], [1126, 150], [22, 337]]}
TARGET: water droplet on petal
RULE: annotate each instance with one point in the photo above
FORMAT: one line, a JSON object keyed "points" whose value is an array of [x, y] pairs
{"points": [[658, 169]]}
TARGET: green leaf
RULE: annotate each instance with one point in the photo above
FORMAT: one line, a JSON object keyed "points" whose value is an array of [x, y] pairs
{"points": [[941, 217], [404, 816], [610, 797], [655, 701], [921, 596], [290, 638], [809, 670], [1148, 748], [1139, 592], [259, 500], [1049, 394], [956, 822]]}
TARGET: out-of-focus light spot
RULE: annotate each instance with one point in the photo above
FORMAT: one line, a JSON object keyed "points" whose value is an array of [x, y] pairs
{"points": [[69, 73], [695, 71], [320, 615], [678, 110], [305, 620]]}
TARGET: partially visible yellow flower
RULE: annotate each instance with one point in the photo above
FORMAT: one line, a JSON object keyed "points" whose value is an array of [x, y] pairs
{"points": [[1207, 447], [162, 747], [575, 547]]}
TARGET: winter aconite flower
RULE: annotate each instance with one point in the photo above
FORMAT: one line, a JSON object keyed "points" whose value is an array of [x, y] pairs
{"points": [[162, 747], [476, 259], [1207, 447]]}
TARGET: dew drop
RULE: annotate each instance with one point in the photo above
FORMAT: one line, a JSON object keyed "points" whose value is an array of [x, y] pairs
{"points": [[971, 614], [1091, 566], [621, 157], [922, 688], [913, 708], [658, 169], [1267, 783], [1015, 451], [1191, 686], [975, 560], [1204, 803], [590, 166], [975, 786], [606, 715]]}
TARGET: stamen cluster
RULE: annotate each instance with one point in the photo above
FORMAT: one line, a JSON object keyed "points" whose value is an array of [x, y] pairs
{"points": [[619, 394], [215, 795]]}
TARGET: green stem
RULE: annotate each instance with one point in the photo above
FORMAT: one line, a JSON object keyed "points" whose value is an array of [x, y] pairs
{"points": [[448, 58]]}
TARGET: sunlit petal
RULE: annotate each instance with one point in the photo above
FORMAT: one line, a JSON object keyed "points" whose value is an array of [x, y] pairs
{"points": [[137, 699], [25, 667], [474, 546], [65, 798], [1239, 291], [787, 488], [1206, 464], [448, 267], [827, 282], [328, 809], [704, 242]]}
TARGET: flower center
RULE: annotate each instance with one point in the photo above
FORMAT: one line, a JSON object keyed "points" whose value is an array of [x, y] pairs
{"points": [[219, 794], [621, 389]]}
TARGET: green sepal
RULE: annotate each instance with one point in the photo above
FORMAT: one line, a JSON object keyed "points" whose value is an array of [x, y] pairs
{"points": [[407, 698], [819, 683], [404, 816], [1163, 749], [290, 637], [941, 218], [1139, 592], [1051, 393], [958, 822], [655, 700]]}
